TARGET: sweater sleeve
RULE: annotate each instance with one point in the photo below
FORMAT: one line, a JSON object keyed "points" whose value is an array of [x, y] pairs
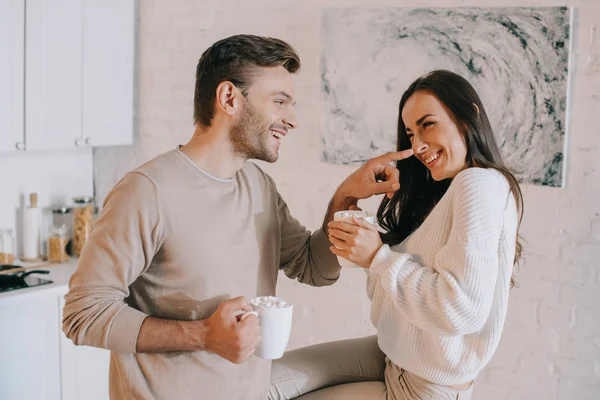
{"points": [[121, 246], [305, 256], [454, 296]]}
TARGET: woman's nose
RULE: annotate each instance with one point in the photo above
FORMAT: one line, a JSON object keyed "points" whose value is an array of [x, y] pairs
{"points": [[419, 146]]}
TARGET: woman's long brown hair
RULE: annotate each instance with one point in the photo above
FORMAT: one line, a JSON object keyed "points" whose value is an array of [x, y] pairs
{"points": [[419, 193]]}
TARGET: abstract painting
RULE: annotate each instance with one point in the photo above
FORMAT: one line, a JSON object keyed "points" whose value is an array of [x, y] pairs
{"points": [[516, 58]]}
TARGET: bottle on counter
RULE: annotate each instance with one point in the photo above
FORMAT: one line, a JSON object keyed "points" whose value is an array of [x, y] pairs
{"points": [[83, 219], [7, 246], [30, 240]]}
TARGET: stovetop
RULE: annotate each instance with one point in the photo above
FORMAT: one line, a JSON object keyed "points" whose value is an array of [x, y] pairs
{"points": [[27, 282]]}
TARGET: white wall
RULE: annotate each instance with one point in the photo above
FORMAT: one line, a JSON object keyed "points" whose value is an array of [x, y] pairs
{"points": [[56, 176], [551, 345]]}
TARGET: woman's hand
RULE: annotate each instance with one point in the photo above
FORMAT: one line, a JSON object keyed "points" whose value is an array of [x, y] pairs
{"points": [[357, 242]]}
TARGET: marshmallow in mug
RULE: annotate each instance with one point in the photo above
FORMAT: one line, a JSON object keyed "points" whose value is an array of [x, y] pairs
{"points": [[348, 214], [269, 302]]}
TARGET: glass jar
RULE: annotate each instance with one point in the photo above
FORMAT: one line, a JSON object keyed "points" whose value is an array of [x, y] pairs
{"points": [[83, 219], [57, 244], [62, 216], [7, 246]]}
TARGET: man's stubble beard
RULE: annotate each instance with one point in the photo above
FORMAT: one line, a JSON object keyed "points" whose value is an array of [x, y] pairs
{"points": [[249, 136]]}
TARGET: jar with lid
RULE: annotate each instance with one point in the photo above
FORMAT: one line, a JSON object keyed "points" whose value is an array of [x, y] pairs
{"points": [[83, 219], [7, 246], [57, 244]]}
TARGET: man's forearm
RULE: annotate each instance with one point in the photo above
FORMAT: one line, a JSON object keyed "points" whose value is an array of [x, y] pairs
{"points": [[163, 335]]}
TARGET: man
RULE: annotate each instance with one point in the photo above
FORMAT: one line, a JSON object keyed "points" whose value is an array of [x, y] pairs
{"points": [[187, 238]]}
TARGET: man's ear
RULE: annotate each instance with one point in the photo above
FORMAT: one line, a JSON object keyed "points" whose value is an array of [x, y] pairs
{"points": [[228, 98]]}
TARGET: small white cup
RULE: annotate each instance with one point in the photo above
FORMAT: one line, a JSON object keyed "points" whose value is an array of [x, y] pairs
{"points": [[346, 216], [275, 327]]}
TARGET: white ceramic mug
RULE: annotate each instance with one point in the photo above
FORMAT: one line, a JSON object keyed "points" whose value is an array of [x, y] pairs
{"points": [[346, 216], [275, 326]]}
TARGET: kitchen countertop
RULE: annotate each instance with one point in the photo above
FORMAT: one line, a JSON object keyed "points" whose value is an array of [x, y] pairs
{"points": [[59, 274]]}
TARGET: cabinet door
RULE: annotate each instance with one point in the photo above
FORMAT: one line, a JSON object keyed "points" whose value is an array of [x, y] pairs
{"points": [[108, 71], [84, 369], [29, 351], [53, 74], [12, 58]]}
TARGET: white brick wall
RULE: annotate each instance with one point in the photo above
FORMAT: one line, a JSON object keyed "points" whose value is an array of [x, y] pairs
{"points": [[551, 345]]}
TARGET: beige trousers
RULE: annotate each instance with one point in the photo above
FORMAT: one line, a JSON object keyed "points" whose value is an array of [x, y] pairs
{"points": [[313, 368]]}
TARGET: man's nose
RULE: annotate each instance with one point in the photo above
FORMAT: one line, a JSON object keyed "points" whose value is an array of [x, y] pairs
{"points": [[290, 121]]}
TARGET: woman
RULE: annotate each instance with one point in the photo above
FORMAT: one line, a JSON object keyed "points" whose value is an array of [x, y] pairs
{"points": [[438, 278]]}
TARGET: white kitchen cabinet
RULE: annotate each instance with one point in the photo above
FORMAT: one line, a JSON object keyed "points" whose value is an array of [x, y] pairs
{"points": [[66, 74], [37, 360], [108, 72], [12, 58], [84, 369], [29, 352], [53, 71]]}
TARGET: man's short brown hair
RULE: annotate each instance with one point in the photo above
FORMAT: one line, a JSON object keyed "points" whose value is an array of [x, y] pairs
{"points": [[234, 59]]}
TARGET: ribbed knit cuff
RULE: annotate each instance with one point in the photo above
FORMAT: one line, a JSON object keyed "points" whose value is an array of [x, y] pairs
{"points": [[384, 259], [381, 261], [125, 329]]}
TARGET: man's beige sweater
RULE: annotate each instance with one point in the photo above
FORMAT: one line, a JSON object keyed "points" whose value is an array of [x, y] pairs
{"points": [[173, 242]]}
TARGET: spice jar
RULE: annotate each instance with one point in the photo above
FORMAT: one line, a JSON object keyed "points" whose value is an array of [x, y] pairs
{"points": [[57, 244], [83, 219], [7, 246]]}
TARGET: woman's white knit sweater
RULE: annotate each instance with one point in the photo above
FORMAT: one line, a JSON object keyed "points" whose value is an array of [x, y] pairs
{"points": [[439, 298]]}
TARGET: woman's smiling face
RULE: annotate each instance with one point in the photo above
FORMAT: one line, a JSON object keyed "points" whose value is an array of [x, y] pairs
{"points": [[434, 135]]}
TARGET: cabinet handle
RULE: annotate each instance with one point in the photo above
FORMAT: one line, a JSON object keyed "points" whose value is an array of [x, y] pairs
{"points": [[88, 140], [20, 146], [78, 142]]}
